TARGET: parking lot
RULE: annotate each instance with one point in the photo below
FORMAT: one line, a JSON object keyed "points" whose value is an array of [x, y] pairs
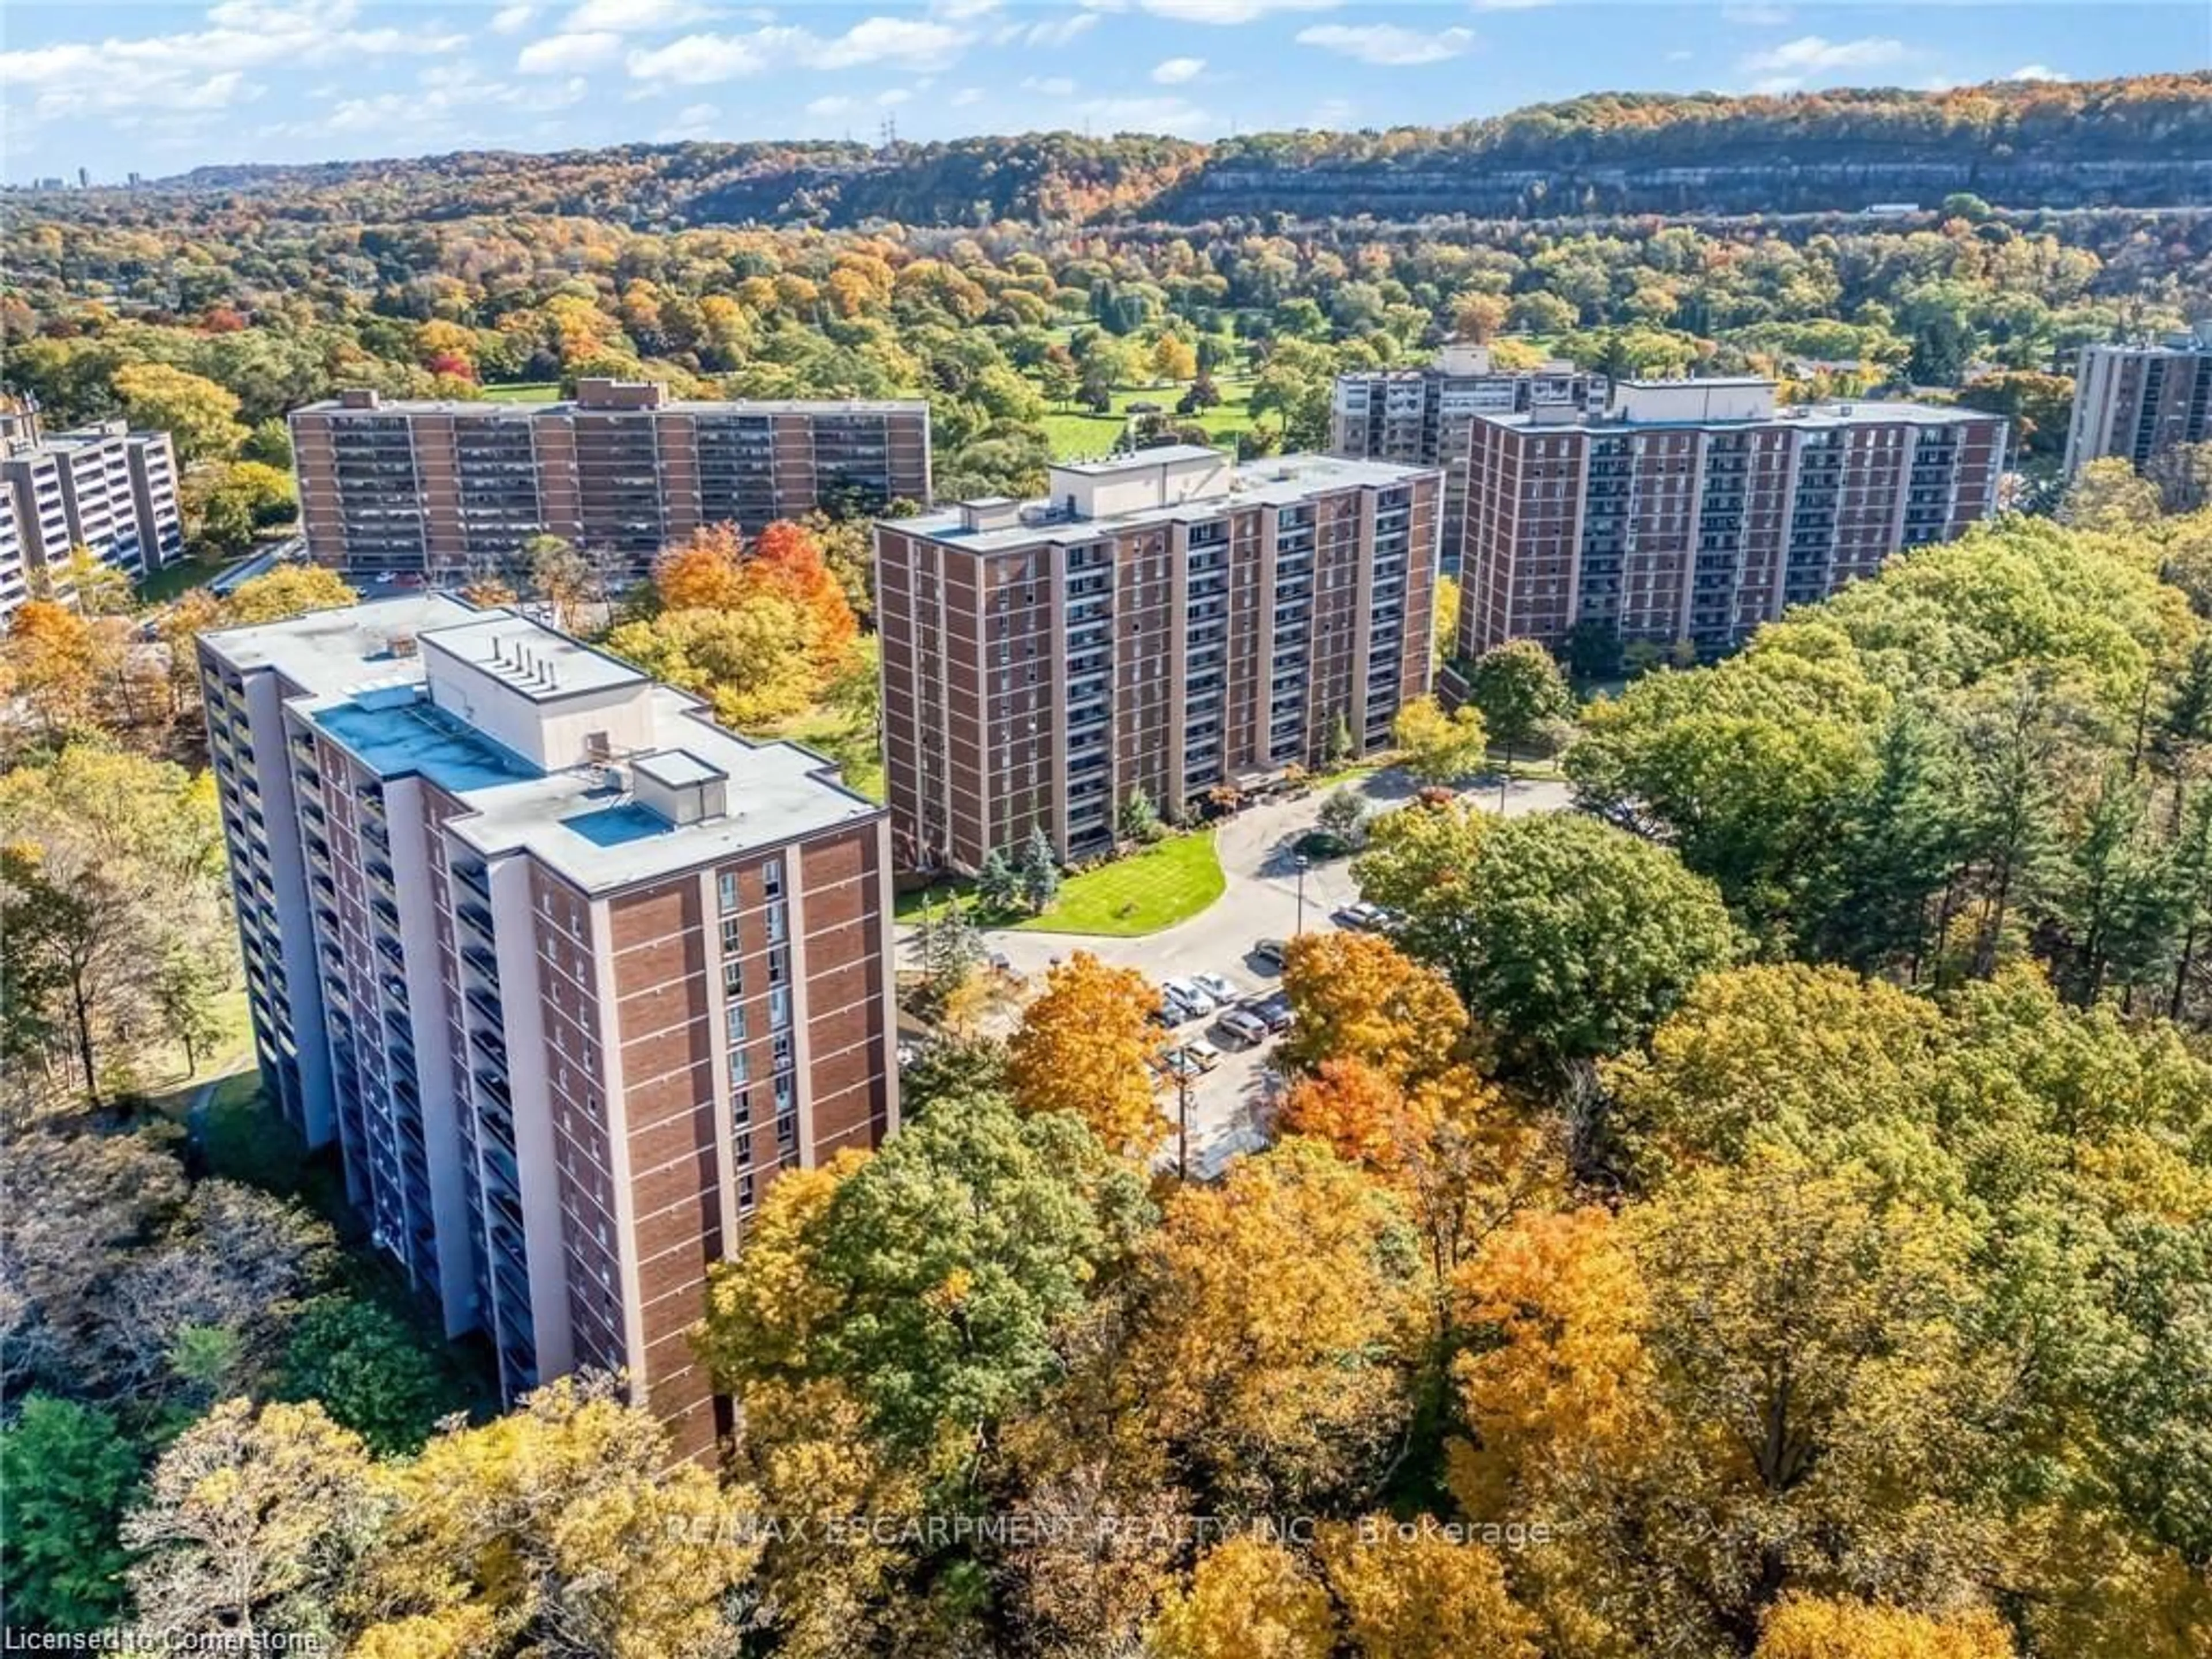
{"points": [[1229, 1105]]}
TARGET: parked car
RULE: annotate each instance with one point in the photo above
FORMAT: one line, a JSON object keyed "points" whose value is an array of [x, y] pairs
{"points": [[1274, 1011], [1224, 990], [1169, 1015], [1189, 995], [1243, 1025], [1201, 1053], [1268, 953], [1359, 915], [1177, 1063]]}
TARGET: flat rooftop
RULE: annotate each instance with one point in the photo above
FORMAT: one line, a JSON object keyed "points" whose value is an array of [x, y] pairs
{"points": [[581, 822], [1282, 481], [506, 409], [1857, 412]]}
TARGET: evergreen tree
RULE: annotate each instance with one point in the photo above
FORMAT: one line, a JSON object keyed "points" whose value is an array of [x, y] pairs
{"points": [[1140, 819], [1039, 871], [996, 885]]}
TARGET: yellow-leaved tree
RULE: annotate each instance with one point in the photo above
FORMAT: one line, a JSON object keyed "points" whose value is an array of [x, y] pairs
{"points": [[1082, 1049], [1247, 1599]]}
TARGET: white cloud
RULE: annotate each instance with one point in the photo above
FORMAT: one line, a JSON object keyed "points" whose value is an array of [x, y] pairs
{"points": [[1049, 85], [633, 16], [443, 104], [1175, 71], [206, 69], [1681, 55], [1809, 55], [1060, 31], [1175, 115], [1229, 12], [1509, 5], [2037, 72], [699, 60], [891, 97], [1755, 17], [835, 104], [692, 121], [1332, 114], [1386, 43], [508, 20], [960, 10], [564, 54], [966, 97]]}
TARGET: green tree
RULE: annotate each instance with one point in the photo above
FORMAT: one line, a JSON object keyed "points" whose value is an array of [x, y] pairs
{"points": [[1138, 819], [997, 885], [68, 1472], [369, 1372], [1517, 689], [1573, 939], [938, 1275], [1039, 871]]}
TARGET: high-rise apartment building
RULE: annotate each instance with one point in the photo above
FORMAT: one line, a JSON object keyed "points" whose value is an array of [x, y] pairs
{"points": [[106, 488], [1163, 620], [2133, 401], [447, 489], [1697, 509], [1420, 417], [567, 971]]}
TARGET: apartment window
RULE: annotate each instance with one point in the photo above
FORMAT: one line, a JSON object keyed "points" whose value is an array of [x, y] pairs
{"points": [[727, 885], [732, 937], [733, 1020], [744, 1189], [772, 878], [786, 1097], [741, 1111], [741, 1070], [778, 1007], [779, 966], [733, 977], [775, 921]]}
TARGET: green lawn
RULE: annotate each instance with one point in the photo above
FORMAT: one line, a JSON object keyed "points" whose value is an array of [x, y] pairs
{"points": [[1075, 434], [161, 585], [852, 745], [524, 391], [1166, 883]]}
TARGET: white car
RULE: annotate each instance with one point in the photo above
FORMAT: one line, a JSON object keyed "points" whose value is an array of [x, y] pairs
{"points": [[1188, 993], [1219, 987]]}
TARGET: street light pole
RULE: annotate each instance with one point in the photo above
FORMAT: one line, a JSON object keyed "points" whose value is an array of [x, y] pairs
{"points": [[1182, 1126], [1303, 862]]}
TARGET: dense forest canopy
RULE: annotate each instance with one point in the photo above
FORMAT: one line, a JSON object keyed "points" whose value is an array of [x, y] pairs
{"points": [[2141, 141]]}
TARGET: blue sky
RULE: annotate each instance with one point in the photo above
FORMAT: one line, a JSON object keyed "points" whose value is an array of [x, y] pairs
{"points": [[157, 88]]}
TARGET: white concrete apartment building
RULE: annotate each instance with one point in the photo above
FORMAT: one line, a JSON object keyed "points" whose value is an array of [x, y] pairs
{"points": [[1420, 417], [104, 488], [1163, 621], [2134, 401], [566, 971]]}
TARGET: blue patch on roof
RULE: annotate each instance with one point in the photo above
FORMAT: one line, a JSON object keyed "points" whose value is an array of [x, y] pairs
{"points": [[418, 739], [615, 826]]}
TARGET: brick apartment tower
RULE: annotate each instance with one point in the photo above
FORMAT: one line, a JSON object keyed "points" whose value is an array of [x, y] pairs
{"points": [[446, 489], [1420, 417], [567, 971], [1696, 510], [1163, 621], [2133, 401]]}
